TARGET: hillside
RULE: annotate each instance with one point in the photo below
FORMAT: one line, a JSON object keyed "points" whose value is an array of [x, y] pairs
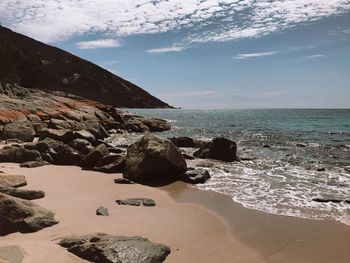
{"points": [[32, 64]]}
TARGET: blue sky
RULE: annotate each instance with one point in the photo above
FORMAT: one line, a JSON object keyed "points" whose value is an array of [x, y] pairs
{"points": [[205, 54]]}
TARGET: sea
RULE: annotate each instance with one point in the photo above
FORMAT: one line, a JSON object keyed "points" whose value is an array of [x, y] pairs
{"points": [[301, 154]]}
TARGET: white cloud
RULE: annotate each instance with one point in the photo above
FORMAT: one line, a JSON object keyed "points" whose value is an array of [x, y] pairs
{"points": [[189, 94], [314, 56], [200, 21], [255, 55], [165, 49], [100, 43]]}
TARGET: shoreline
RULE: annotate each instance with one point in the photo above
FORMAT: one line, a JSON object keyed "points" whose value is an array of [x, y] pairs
{"points": [[194, 233], [276, 238]]}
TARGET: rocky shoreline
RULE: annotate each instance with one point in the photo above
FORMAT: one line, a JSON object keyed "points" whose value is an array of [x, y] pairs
{"points": [[41, 128]]}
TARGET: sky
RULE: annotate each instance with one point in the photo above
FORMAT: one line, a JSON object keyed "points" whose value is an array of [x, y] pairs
{"points": [[205, 53]]}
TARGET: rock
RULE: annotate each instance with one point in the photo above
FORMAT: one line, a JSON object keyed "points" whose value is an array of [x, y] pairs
{"points": [[18, 154], [156, 125], [187, 156], [79, 144], [110, 164], [19, 130], [123, 181], [63, 154], [136, 125], [195, 176], [106, 248], [12, 180], [22, 193], [137, 202], [185, 142], [23, 216], [33, 164], [153, 158], [63, 135], [102, 211], [219, 149], [85, 135], [266, 146], [320, 169], [331, 200], [94, 156], [302, 145], [116, 150]]}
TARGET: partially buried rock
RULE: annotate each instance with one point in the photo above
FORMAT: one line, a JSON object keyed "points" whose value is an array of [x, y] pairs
{"points": [[219, 149], [106, 248], [123, 181], [24, 216], [195, 176], [33, 164], [137, 202], [102, 211], [12, 180], [153, 159], [22, 193]]}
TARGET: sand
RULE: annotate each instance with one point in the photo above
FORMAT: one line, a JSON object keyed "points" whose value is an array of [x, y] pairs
{"points": [[193, 232]]}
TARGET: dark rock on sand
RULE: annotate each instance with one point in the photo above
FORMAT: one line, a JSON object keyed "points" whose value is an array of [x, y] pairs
{"points": [[196, 176], [137, 202], [33, 164], [19, 130], [123, 181], [110, 164], [102, 211], [219, 149], [153, 158], [94, 156], [24, 216], [22, 193], [12, 180], [106, 248], [18, 154]]}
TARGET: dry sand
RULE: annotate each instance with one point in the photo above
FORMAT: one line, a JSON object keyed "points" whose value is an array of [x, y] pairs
{"points": [[194, 233]]}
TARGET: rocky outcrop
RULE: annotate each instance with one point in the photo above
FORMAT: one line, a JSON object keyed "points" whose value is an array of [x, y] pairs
{"points": [[152, 159], [22, 193], [137, 202], [17, 215], [219, 149], [106, 248], [33, 64]]}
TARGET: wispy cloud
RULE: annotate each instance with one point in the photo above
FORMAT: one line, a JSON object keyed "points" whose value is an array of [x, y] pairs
{"points": [[200, 21], [314, 56], [165, 49], [100, 43], [255, 55], [189, 94]]}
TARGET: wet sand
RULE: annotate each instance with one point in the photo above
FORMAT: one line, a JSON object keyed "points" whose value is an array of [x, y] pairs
{"points": [[193, 232]]}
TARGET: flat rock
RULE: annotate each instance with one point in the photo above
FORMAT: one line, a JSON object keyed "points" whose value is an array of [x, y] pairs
{"points": [[12, 180], [17, 215], [22, 193], [106, 248], [102, 211], [33, 164], [123, 181], [137, 202]]}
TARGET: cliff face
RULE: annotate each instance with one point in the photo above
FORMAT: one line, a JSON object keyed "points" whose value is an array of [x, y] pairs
{"points": [[32, 64]]}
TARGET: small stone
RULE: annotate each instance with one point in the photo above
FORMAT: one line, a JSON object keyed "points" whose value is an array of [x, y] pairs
{"points": [[123, 181], [137, 202], [102, 211]]}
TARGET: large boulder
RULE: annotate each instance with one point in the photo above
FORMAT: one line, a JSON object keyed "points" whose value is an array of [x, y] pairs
{"points": [[18, 215], [19, 130], [219, 149], [106, 248], [153, 158], [18, 154], [7, 180]]}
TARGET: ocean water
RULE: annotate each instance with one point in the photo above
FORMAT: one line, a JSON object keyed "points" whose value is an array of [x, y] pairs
{"points": [[308, 157]]}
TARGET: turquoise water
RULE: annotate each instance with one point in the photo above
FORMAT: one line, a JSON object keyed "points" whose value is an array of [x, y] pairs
{"points": [[285, 177]]}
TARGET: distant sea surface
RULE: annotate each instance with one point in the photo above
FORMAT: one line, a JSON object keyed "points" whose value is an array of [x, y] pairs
{"points": [[302, 154]]}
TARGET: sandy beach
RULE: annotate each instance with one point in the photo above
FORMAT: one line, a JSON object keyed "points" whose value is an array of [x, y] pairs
{"points": [[194, 233]]}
